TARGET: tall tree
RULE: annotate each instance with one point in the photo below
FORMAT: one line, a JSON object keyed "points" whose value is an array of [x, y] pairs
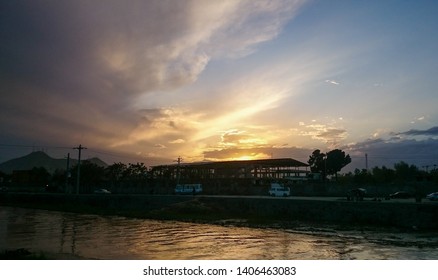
{"points": [[336, 160], [317, 162], [328, 164]]}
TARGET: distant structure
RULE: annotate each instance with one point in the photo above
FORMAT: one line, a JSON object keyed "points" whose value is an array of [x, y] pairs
{"points": [[256, 171]]}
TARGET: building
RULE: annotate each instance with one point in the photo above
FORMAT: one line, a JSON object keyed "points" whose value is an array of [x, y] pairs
{"points": [[241, 173]]}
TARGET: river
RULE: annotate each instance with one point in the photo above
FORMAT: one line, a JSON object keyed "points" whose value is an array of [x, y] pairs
{"points": [[120, 238]]}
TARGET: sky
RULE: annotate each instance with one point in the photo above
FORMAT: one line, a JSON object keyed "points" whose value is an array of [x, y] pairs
{"points": [[151, 81]]}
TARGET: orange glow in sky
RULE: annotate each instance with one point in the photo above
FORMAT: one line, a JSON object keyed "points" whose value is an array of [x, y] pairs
{"points": [[220, 80]]}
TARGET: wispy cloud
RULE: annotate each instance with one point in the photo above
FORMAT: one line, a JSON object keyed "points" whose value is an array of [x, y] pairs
{"points": [[177, 141], [262, 152], [80, 74], [333, 82], [331, 133]]}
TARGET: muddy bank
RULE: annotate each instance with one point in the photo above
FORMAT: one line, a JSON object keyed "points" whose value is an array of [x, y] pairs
{"points": [[25, 254], [247, 210]]}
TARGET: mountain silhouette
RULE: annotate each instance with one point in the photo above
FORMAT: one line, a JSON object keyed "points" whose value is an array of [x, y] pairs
{"points": [[41, 159]]}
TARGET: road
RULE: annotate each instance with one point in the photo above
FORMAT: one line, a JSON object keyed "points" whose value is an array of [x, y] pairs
{"points": [[326, 198], [311, 198]]}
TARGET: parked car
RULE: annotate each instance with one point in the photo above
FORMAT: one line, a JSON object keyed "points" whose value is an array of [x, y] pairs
{"points": [[102, 191], [432, 196], [279, 190], [188, 189], [356, 194], [400, 194]]}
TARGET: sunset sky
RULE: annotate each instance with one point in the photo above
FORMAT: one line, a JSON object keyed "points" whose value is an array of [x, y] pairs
{"points": [[220, 80]]}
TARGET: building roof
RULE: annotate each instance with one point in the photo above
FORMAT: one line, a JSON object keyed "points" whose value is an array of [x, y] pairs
{"points": [[279, 162]]}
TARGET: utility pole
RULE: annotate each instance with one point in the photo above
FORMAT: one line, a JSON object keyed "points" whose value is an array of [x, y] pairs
{"points": [[67, 173], [80, 148], [324, 158], [366, 162], [178, 170]]}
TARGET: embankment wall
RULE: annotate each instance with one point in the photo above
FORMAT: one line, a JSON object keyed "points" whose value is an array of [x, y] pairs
{"points": [[392, 214]]}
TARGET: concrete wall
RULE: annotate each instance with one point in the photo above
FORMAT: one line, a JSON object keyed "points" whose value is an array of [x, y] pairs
{"points": [[420, 215], [409, 214]]}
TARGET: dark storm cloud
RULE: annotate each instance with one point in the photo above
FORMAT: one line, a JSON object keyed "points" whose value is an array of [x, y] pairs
{"points": [[398, 148], [383, 152], [84, 46], [415, 132], [363, 145], [75, 65]]}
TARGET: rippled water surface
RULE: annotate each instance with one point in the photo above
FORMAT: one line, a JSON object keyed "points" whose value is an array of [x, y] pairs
{"points": [[103, 237]]}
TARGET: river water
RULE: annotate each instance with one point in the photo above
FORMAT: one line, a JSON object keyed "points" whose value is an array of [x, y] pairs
{"points": [[120, 238]]}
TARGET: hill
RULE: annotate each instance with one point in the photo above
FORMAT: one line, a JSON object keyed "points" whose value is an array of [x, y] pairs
{"points": [[41, 159]]}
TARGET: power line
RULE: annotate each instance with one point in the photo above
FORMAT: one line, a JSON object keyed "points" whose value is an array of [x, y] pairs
{"points": [[125, 156], [112, 154], [32, 146], [115, 154]]}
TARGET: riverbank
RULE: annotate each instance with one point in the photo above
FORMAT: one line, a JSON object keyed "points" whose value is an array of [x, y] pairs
{"points": [[241, 210], [25, 254]]}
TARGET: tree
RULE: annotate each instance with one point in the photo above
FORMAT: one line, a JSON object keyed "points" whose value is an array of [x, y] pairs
{"points": [[137, 175], [328, 164], [137, 172], [92, 176], [116, 171], [317, 162], [405, 172], [39, 177], [336, 160], [116, 174], [383, 175], [362, 176]]}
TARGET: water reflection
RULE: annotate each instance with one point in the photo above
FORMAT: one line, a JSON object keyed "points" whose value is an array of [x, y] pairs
{"points": [[97, 237]]}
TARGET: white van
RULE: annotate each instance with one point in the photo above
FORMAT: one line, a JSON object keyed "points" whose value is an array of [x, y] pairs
{"points": [[279, 190], [188, 188]]}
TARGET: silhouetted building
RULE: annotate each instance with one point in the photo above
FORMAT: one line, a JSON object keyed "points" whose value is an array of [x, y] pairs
{"points": [[253, 170]]}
